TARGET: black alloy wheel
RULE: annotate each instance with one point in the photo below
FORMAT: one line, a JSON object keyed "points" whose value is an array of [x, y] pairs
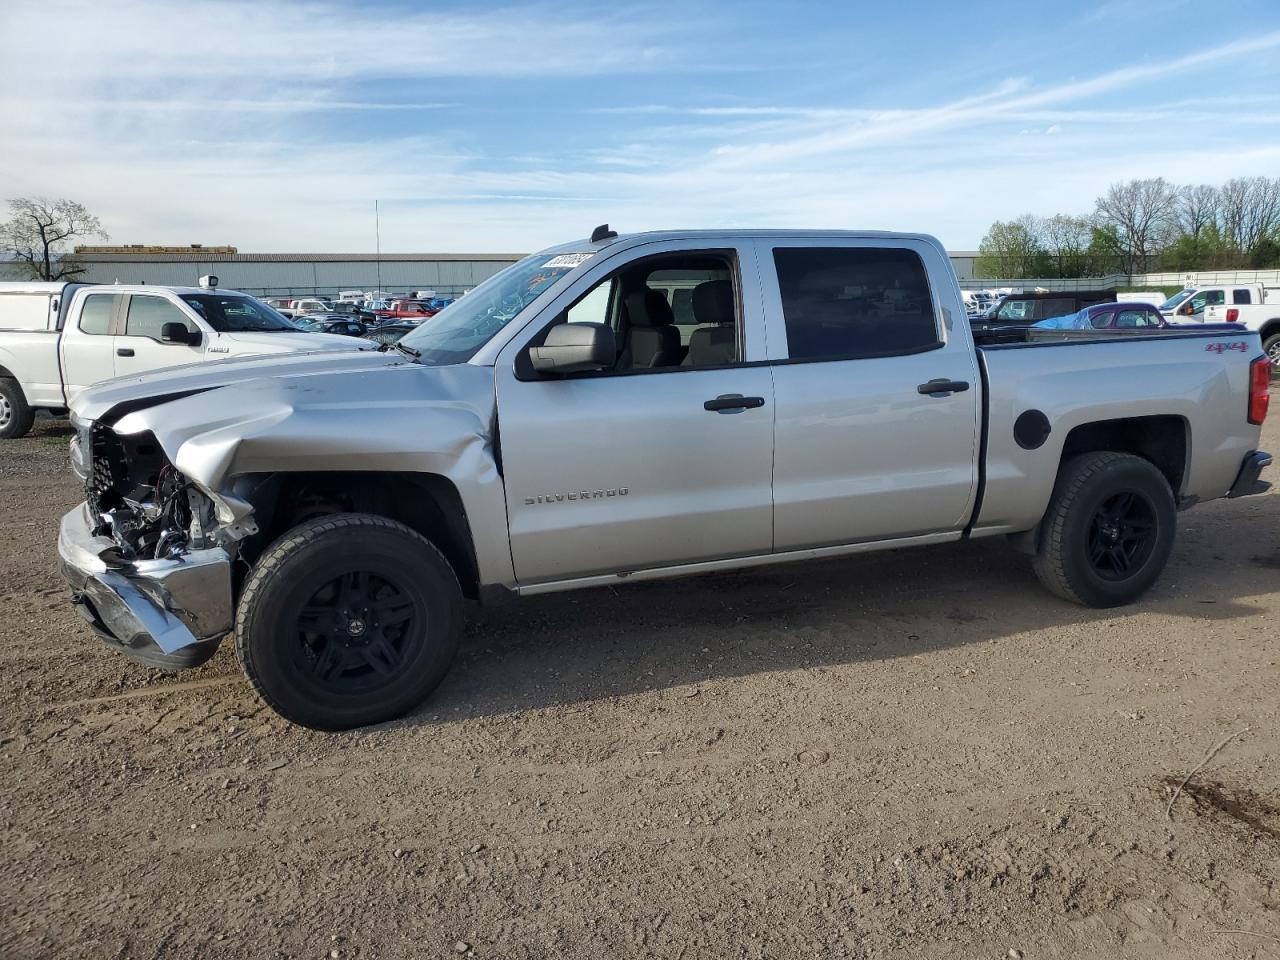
{"points": [[1122, 535], [357, 631]]}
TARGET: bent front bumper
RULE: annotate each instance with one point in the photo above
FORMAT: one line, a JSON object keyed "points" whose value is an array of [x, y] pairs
{"points": [[153, 610], [1247, 482]]}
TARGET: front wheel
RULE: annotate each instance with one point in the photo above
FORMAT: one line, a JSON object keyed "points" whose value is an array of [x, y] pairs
{"points": [[1108, 531], [348, 620]]}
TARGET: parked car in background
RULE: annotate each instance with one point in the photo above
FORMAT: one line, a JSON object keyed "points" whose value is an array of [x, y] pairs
{"points": [[560, 429], [1189, 305], [307, 305], [390, 332], [335, 323], [282, 305], [368, 309], [58, 339], [1027, 308], [345, 307], [1108, 316], [405, 309]]}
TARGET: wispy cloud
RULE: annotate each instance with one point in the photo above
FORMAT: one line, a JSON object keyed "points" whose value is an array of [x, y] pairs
{"points": [[275, 125]]}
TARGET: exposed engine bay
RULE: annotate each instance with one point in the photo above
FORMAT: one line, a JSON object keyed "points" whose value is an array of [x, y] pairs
{"points": [[139, 499]]}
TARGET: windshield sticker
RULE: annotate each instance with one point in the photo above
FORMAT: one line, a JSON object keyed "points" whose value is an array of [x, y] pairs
{"points": [[567, 261]]}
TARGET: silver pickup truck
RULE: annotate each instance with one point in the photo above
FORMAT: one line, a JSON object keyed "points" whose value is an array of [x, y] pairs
{"points": [[627, 408]]}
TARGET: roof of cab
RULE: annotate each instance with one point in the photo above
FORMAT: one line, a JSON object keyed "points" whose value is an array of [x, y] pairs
{"points": [[625, 240]]}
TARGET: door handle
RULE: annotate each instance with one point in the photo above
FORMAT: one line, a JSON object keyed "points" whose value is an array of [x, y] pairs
{"points": [[943, 387], [729, 402], [124, 351]]}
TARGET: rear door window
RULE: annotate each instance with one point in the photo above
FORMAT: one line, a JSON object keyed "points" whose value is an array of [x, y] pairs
{"points": [[854, 302], [1241, 296], [95, 315]]}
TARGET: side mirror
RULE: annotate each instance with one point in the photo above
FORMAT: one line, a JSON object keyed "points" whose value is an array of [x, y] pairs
{"points": [[179, 333], [574, 348]]}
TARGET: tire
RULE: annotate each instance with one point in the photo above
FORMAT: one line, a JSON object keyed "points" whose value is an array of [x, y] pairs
{"points": [[1271, 347], [15, 416], [348, 620], [1108, 531]]}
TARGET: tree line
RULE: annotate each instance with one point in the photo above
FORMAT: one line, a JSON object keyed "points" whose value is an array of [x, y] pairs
{"points": [[1141, 226]]}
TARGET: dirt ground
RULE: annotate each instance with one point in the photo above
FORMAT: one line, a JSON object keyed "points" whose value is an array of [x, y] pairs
{"points": [[915, 754]]}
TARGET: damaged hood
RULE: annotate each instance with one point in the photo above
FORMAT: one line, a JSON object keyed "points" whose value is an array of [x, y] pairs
{"points": [[325, 412], [93, 403]]}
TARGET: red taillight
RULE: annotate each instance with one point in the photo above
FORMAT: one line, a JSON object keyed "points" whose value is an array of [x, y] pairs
{"points": [[1259, 389], [1232, 315]]}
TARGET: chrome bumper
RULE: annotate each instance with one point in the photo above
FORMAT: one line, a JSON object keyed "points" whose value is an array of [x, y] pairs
{"points": [[151, 609]]}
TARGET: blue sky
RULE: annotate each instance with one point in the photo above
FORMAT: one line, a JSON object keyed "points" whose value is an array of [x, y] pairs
{"points": [[488, 127]]}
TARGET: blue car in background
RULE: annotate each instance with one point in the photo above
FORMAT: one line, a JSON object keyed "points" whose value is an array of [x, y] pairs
{"points": [[1123, 316], [1107, 316]]}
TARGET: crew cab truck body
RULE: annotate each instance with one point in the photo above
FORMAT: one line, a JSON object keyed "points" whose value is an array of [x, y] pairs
{"points": [[57, 339], [564, 426]]}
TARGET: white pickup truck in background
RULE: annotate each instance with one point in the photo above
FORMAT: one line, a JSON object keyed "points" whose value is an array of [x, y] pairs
{"points": [[1190, 304], [1255, 307], [56, 339]]}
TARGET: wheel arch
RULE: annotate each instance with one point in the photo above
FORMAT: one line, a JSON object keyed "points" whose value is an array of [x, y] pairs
{"points": [[1164, 440], [427, 503]]}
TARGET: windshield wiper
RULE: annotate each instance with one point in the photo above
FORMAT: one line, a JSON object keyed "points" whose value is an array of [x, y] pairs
{"points": [[413, 353]]}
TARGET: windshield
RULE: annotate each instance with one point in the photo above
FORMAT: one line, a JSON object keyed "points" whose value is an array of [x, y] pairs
{"points": [[1177, 298], [456, 333], [232, 314]]}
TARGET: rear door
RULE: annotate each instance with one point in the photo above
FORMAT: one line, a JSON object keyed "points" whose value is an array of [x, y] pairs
{"points": [[877, 392], [88, 342], [665, 459], [139, 348]]}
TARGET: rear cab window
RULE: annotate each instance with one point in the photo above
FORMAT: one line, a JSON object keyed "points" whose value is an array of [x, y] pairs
{"points": [[846, 303]]}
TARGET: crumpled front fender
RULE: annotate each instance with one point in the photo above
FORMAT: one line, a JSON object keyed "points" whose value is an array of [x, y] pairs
{"points": [[407, 418]]}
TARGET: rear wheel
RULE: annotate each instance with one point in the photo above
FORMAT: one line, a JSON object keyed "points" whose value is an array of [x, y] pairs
{"points": [[1108, 531], [348, 620], [15, 416]]}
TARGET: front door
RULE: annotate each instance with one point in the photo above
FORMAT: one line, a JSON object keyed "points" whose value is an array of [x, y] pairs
{"points": [[865, 449], [139, 349], [665, 458]]}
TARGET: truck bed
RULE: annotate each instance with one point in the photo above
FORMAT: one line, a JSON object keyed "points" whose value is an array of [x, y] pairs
{"points": [[1039, 385]]}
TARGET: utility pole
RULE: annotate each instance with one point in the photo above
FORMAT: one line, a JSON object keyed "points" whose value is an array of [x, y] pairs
{"points": [[377, 234]]}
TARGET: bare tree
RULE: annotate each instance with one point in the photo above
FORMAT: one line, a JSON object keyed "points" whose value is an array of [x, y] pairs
{"points": [[1142, 211], [1250, 210], [38, 231], [1198, 207]]}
